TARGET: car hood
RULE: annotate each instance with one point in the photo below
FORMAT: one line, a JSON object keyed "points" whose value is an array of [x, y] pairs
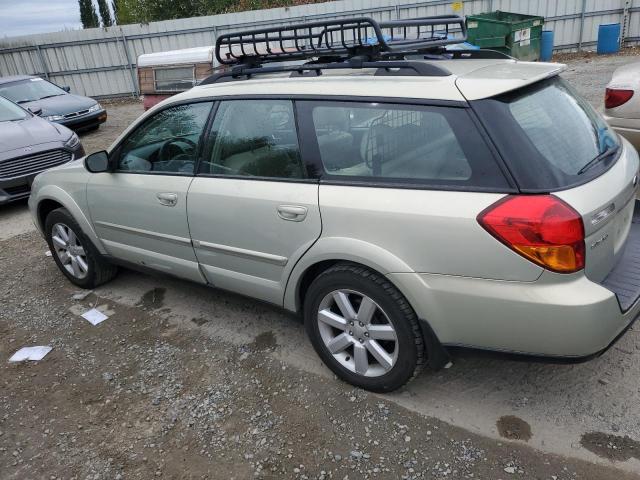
{"points": [[61, 104], [29, 132]]}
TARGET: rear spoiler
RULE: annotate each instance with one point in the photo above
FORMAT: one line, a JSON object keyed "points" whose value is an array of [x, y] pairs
{"points": [[501, 77]]}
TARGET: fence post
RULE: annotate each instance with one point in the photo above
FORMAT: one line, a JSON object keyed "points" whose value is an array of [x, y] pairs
{"points": [[134, 83], [43, 64], [625, 22], [584, 9]]}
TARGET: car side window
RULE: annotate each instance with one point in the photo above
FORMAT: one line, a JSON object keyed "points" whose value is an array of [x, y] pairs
{"points": [[254, 138], [401, 143], [167, 142]]}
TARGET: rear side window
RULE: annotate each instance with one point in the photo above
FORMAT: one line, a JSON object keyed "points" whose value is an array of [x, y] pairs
{"points": [[378, 142], [254, 138], [550, 136]]}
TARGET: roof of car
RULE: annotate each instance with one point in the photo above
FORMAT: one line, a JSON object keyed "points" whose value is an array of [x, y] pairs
{"points": [[15, 78], [469, 80]]}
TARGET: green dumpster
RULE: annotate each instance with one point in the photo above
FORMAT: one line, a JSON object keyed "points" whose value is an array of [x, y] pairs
{"points": [[515, 34]]}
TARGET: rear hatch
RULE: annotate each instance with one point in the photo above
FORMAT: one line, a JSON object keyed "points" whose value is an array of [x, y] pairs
{"points": [[553, 141]]}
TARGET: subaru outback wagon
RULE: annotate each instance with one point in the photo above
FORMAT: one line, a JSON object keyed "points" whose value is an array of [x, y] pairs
{"points": [[401, 197]]}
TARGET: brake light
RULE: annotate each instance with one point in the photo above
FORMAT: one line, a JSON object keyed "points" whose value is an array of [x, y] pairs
{"points": [[615, 97], [541, 228]]}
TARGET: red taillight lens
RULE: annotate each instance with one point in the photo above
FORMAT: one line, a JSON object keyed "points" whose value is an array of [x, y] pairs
{"points": [[614, 97], [542, 228]]}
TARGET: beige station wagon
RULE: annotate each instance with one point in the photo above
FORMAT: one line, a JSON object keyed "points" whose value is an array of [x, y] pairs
{"points": [[402, 197]]}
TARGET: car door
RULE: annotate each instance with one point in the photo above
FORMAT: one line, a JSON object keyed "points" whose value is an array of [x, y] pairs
{"points": [[139, 211], [253, 210]]}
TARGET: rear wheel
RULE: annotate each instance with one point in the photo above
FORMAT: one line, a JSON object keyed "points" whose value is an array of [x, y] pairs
{"points": [[74, 253], [363, 328]]}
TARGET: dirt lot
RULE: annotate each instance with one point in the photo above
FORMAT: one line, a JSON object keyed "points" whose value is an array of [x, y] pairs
{"points": [[187, 382]]}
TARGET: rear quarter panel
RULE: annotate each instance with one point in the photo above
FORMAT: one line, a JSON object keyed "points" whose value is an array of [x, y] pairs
{"points": [[425, 231]]}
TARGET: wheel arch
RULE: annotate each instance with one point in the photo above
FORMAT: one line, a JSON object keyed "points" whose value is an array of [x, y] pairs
{"points": [[328, 251], [51, 197], [372, 257]]}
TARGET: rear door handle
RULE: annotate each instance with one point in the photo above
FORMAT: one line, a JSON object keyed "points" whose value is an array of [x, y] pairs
{"points": [[167, 199], [293, 213]]}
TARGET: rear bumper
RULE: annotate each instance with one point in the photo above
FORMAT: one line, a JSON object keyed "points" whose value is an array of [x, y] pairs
{"points": [[557, 315]]}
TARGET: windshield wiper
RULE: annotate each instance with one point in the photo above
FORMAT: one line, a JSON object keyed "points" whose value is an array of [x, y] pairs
{"points": [[49, 96], [606, 154], [26, 101]]}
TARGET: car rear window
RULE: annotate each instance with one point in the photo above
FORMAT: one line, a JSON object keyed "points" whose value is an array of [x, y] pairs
{"points": [[550, 137], [391, 143]]}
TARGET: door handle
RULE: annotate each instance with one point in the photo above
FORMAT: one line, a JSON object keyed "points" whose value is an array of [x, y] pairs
{"points": [[293, 213], [167, 199]]}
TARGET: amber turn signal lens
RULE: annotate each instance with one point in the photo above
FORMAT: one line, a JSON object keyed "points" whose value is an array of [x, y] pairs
{"points": [[541, 228]]}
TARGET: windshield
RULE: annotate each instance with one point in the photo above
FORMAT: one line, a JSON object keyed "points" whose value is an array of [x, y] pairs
{"points": [[10, 112], [549, 135], [29, 90]]}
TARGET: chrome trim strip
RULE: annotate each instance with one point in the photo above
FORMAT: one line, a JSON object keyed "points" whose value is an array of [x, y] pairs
{"points": [[241, 252], [146, 233]]}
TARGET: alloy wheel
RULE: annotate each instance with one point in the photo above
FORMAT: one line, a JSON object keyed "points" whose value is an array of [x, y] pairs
{"points": [[358, 333], [69, 250]]}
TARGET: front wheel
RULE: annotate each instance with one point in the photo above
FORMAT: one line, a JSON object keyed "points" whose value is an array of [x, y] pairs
{"points": [[73, 252], [363, 328]]}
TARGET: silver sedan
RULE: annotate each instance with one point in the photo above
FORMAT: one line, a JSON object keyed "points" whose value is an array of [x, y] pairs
{"points": [[622, 102]]}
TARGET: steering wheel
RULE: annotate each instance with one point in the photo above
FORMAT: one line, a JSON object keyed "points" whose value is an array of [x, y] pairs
{"points": [[188, 146]]}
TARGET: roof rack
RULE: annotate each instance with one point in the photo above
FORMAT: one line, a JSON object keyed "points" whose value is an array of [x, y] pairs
{"points": [[348, 37], [383, 68]]}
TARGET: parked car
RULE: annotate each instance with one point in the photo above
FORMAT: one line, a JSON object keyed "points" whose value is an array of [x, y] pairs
{"points": [[622, 102], [53, 103], [28, 146], [400, 206]]}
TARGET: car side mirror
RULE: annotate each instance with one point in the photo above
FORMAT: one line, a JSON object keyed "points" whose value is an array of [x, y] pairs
{"points": [[66, 88], [97, 162], [35, 109]]}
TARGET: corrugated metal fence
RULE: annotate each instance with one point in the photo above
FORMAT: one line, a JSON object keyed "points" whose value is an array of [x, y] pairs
{"points": [[101, 62]]}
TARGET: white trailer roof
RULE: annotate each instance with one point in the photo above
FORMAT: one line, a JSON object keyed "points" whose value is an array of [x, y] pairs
{"points": [[177, 57]]}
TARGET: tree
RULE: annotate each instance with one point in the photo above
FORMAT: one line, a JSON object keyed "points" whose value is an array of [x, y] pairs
{"points": [[105, 13], [144, 11], [88, 15], [114, 7]]}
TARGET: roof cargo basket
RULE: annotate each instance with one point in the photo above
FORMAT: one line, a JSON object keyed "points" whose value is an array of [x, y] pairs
{"points": [[341, 38]]}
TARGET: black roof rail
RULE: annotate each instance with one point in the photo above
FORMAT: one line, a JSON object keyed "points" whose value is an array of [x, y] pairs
{"points": [[346, 37], [383, 67]]}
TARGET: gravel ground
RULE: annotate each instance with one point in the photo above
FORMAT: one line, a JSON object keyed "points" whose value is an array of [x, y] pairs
{"points": [[187, 382]]}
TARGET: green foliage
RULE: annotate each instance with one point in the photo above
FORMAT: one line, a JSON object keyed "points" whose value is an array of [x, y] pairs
{"points": [[105, 13], [88, 15], [144, 11]]}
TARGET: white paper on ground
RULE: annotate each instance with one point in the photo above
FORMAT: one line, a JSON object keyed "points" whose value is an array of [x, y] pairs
{"points": [[94, 316], [30, 353], [47, 253]]}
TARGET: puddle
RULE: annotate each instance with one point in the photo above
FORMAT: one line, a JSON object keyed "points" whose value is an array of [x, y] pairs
{"points": [[200, 321], [264, 341], [514, 428], [153, 299], [611, 447]]}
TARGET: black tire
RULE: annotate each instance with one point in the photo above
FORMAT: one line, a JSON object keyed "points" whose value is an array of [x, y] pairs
{"points": [[410, 344], [99, 270]]}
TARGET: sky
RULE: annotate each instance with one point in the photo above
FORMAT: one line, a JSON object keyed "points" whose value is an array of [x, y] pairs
{"points": [[23, 17]]}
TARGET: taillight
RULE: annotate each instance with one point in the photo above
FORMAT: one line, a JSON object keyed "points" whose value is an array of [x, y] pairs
{"points": [[615, 97], [542, 228]]}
